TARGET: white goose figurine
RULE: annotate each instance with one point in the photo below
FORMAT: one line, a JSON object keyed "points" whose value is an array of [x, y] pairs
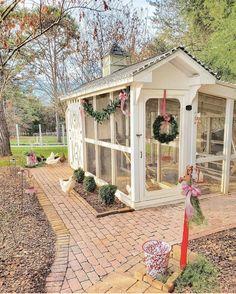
{"points": [[67, 185], [52, 160]]}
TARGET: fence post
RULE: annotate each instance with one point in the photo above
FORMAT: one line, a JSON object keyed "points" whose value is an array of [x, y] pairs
{"points": [[63, 134], [17, 135], [40, 135]]}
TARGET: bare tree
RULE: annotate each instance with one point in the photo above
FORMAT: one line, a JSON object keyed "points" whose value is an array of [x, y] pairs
{"points": [[21, 24]]}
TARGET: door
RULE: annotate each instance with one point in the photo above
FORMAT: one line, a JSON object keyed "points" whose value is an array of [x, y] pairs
{"points": [[75, 135], [161, 160]]}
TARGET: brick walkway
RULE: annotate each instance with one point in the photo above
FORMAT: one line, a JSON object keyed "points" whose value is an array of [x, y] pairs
{"points": [[98, 246]]}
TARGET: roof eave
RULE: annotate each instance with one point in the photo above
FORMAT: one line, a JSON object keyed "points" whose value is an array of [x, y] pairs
{"points": [[98, 90], [226, 84]]}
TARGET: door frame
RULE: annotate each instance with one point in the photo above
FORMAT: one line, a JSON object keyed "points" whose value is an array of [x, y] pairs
{"points": [[164, 193]]}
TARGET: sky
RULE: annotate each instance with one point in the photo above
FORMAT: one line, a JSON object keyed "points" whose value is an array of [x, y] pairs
{"points": [[142, 4]]}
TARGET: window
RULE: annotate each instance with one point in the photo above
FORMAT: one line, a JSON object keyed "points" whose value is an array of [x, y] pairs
{"points": [[99, 143], [123, 171], [104, 128], [122, 124], [210, 129], [90, 158], [104, 164], [89, 123]]}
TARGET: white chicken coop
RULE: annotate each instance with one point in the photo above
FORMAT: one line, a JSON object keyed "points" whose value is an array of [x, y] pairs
{"points": [[122, 150]]}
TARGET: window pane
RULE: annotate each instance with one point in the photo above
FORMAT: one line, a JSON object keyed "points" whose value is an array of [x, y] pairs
{"points": [[123, 171], [212, 174], [89, 123], [105, 164], [210, 129], [122, 123], [104, 129], [91, 161]]}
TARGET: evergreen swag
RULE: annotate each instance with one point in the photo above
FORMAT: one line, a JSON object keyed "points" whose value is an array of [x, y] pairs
{"points": [[100, 116], [198, 217], [165, 137]]}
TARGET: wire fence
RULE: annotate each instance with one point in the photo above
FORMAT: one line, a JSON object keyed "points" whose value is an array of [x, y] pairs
{"points": [[39, 138]]}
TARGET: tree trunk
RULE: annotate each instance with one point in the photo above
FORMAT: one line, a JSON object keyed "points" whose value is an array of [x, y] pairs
{"points": [[5, 148]]}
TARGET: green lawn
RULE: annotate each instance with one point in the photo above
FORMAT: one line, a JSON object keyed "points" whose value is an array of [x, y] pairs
{"points": [[20, 151], [28, 140]]}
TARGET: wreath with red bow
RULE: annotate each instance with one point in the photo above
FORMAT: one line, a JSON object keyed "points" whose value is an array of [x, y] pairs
{"points": [[165, 128]]}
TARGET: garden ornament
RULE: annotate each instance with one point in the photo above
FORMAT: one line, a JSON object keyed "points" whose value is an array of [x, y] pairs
{"points": [[192, 209], [68, 184], [31, 190], [52, 159], [123, 97]]}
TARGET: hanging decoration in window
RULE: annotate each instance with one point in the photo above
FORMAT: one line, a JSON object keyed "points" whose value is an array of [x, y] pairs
{"points": [[100, 116], [165, 127], [123, 97], [193, 212]]}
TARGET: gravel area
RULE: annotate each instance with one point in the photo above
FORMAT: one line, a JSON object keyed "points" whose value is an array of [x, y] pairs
{"points": [[220, 249], [26, 238]]}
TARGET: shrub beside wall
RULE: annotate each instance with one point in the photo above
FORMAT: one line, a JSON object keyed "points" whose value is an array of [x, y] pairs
{"points": [[89, 184], [107, 194], [79, 175]]}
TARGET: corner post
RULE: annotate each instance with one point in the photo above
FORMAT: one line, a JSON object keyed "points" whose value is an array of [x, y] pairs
{"points": [[188, 130], [113, 152], [136, 154], [229, 113]]}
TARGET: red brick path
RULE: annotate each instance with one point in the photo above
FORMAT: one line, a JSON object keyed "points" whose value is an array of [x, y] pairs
{"points": [[98, 246]]}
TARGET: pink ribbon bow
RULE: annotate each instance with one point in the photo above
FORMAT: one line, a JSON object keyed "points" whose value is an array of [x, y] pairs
{"points": [[123, 97], [166, 117], [190, 191]]}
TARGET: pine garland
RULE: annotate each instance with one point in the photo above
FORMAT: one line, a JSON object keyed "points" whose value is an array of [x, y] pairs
{"points": [[100, 116], [198, 217]]}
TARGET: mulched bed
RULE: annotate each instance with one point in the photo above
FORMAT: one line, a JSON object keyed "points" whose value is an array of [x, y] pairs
{"points": [[26, 238], [93, 199], [220, 249]]}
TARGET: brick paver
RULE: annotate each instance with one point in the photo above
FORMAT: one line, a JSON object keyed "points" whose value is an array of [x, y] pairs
{"points": [[100, 245]]}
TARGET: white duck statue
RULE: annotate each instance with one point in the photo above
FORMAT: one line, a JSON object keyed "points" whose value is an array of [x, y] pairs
{"points": [[68, 184], [52, 159]]}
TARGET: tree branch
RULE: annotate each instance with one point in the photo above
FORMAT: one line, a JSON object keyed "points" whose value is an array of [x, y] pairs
{"points": [[8, 10], [29, 39]]}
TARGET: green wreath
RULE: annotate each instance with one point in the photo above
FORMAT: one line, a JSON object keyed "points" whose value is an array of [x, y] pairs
{"points": [[100, 116], [165, 137]]}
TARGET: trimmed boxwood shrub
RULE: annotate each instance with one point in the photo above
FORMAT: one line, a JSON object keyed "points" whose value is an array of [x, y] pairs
{"points": [[89, 184], [107, 194], [79, 175]]}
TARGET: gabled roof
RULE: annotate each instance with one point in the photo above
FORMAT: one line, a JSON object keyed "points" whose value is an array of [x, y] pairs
{"points": [[132, 70]]}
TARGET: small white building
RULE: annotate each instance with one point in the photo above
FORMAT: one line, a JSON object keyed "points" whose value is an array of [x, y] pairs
{"points": [[122, 150]]}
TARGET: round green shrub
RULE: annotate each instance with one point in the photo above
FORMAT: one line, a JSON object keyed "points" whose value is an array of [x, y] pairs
{"points": [[107, 194], [89, 184], [79, 175]]}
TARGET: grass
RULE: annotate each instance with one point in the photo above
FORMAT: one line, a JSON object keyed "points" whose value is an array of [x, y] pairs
{"points": [[28, 140], [200, 277], [19, 153]]}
